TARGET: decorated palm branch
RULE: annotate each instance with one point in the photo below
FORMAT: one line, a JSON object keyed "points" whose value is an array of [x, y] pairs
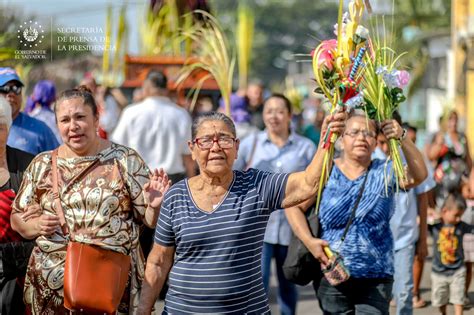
{"points": [[337, 66], [356, 71], [382, 91]]}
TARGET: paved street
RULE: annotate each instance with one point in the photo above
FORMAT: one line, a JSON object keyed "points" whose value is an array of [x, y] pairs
{"points": [[308, 305]]}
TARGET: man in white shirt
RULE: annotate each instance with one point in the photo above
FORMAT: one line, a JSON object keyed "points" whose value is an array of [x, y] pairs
{"points": [[157, 129]]}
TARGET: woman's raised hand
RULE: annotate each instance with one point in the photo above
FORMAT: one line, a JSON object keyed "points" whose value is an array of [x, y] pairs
{"points": [[391, 129], [336, 123], [156, 188]]}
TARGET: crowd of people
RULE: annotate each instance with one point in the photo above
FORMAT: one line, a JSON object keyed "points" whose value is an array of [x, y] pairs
{"points": [[203, 203]]}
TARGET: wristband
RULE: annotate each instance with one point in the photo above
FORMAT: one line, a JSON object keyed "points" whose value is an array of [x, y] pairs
{"points": [[404, 135]]}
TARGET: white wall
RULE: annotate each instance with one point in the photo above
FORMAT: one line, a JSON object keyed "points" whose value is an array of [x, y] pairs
{"points": [[436, 100]]}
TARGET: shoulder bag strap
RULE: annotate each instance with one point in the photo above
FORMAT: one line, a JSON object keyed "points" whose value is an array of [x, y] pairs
{"points": [[57, 199], [356, 205]]}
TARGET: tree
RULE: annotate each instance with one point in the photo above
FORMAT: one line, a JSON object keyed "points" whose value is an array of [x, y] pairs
{"points": [[415, 21], [282, 29]]}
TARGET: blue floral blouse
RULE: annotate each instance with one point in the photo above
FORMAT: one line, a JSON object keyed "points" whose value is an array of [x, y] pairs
{"points": [[368, 248]]}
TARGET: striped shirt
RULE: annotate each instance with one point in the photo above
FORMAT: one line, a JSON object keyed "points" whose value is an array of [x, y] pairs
{"points": [[217, 266], [368, 248]]}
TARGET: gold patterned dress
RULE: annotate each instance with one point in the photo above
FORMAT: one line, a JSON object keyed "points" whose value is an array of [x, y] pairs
{"points": [[104, 208]]}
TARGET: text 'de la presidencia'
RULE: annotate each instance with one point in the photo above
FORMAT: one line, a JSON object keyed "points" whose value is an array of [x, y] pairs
{"points": [[82, 39]]}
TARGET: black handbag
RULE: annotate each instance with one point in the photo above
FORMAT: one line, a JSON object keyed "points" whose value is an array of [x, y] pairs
{"points": [[300, 266]]}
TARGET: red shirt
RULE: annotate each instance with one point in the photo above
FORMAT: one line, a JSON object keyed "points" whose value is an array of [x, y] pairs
{"points": [[6, 232]]}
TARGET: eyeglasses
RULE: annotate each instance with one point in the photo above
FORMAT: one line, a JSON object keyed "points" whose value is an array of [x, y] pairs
{"points": [[10, 88], [206, 143], [365, 133]]}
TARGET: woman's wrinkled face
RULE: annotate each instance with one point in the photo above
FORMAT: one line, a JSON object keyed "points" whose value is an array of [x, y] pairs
{"points": [[276, 116], [219, 158], [77, 125], [360, 137]]}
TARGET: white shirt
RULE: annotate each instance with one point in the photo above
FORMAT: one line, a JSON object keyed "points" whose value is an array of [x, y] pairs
{"points": [[158, 130], [110, 115], [403, 223]]}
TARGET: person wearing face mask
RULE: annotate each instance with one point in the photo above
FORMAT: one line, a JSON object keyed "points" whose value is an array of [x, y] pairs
{"points": [[106, 191], [26, 133], [277, 149]]}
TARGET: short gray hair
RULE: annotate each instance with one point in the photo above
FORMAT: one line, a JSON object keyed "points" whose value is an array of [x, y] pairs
{"points": [[212, 116], [5, 112]]}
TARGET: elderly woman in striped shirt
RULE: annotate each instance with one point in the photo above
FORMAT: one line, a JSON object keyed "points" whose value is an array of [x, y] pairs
{"points": [[210, 230]]}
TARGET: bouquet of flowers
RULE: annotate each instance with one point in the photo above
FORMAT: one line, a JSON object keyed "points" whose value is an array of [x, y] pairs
{"points": [[382, 91], [354, 71], [338, 68]]}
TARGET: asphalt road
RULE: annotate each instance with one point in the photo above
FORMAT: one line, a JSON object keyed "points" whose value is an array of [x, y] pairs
{"points": [[308, 305]]}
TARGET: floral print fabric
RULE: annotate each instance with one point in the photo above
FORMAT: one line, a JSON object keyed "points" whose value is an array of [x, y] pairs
{"points": [[104, 208]]}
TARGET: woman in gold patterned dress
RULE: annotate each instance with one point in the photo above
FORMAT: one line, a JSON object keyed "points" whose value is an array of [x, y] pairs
{"points": [[105, 208]]}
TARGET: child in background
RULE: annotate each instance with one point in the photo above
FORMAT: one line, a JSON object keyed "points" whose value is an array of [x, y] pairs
{"points": [[468, 246], [448, 276]]}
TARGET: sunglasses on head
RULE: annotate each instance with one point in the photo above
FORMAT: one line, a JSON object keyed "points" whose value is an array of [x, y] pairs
{"points": [[10, 88]]}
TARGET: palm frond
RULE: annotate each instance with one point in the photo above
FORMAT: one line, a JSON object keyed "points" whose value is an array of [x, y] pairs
{"points": [[212, 55]]}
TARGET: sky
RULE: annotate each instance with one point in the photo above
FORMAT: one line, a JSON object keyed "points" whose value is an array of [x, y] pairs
{"points": [[83, 13], [90, 14]]}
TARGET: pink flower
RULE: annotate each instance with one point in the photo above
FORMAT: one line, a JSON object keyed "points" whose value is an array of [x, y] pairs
{"points": [[326, 58], [403, 78]]}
